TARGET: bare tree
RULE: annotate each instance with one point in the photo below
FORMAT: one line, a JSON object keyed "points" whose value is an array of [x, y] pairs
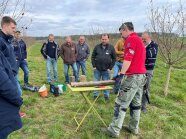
{"points": [[169, 27], [17, 10]]}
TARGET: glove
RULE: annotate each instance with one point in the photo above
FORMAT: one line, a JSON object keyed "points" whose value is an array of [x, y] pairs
{"points": [[117, 83], [118, 78]]}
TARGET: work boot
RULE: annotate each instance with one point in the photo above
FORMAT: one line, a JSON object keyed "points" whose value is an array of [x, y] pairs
{"points": [[126, 128], [28, 85], [95, 97], [109, 133], [144, 109]]}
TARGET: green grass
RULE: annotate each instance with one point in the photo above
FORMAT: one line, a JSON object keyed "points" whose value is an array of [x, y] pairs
{"points": [[52, 117]]}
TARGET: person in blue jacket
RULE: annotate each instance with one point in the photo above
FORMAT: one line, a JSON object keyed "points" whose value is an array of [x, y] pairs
{"points": [[151, 54], [10, 99], [20, 51]]}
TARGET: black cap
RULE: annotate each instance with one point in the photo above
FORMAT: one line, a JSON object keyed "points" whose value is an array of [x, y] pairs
{"points": [[129, 25]]}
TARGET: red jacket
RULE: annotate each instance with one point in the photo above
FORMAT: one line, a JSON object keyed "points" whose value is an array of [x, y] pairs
{"points": [[136, 53]]}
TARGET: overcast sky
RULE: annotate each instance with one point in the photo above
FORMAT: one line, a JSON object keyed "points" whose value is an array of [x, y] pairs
{"points": [[70, 17]]}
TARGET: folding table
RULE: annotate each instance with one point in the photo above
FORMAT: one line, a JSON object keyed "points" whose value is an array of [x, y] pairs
{"points": [[84, 91]]}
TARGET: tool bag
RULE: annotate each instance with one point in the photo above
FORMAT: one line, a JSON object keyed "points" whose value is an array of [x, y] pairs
{"points": [[54, 89]]}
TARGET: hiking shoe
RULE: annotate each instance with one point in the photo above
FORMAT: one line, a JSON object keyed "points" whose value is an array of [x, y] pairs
{"points": [[108, 132], [144, 109], [95, 97], [28, 85], [22, 114], [126, 128]]}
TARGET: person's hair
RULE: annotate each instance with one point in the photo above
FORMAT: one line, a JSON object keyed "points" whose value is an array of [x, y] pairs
{"points": [[18, 31], [51, 35], [105, 35], [68, 37], [7, 20], [148, 33], [81, 36], [129, 25]]}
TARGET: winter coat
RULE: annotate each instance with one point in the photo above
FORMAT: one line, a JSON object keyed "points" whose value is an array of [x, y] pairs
{"points": [[10, 100], [68, 53], [103, 59], [19, 49], [50, 49]]}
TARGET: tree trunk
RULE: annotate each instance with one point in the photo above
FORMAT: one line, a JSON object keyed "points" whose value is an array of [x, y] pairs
{"points": [[94, 83], [167, 81]]}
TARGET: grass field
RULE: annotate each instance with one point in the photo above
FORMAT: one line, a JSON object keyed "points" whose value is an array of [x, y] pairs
{"points": [[52, 117]]}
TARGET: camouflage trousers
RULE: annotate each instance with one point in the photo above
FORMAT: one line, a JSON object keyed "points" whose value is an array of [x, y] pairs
{"points": [[129, 95]]}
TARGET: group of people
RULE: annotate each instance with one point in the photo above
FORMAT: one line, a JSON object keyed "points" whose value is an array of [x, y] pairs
{"points": [[73, 55], [132, 58]]}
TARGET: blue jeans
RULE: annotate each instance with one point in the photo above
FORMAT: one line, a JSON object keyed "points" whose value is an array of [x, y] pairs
{"points": [[117, 68], [53, 62], [105, 75], [18, 85], [66, 69], [24, 66], [82, 65]]}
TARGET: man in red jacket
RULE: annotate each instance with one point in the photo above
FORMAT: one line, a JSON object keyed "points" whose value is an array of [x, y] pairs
{"points": [[131, 90]]}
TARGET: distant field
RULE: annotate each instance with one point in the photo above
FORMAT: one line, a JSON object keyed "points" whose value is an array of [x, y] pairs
{"points": [[52, 117]]}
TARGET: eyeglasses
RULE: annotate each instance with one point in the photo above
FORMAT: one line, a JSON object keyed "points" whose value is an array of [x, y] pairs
{"points": [[122, 30]]}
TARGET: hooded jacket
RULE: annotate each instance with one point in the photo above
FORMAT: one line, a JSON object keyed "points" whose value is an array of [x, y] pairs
{"points": [[10, 100]]}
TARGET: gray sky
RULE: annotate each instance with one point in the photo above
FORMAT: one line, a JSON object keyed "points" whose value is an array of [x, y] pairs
{"points": [[70, 17]]}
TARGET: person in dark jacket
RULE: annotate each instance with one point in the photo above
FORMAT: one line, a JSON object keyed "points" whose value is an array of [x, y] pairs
{"points": [[10, 99], [68, 53], [83, 54], [50, 51], [103, 60], [151, 53], [21, 55]]}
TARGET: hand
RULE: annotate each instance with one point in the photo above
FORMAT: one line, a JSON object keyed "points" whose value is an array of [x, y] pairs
{"points": [[120, 73], [118, 78]]}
